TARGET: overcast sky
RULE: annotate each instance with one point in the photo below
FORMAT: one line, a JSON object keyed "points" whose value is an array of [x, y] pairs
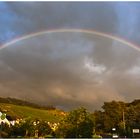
{"points": [[70, 69]]}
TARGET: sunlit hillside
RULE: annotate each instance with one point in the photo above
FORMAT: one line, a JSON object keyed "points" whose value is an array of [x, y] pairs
{"points": [[18, 111]]}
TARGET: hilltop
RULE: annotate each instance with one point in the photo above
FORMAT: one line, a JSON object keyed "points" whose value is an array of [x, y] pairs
{"points": [[16, 101]]}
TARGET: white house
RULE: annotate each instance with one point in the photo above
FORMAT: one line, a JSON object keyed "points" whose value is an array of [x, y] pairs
{"points": [[3, 118]]}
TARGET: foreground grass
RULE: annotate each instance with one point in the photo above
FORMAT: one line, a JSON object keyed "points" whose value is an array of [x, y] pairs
{"points": [[26, 112]]}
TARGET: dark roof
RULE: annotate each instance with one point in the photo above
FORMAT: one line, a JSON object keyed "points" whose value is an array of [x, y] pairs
{"points": [[10, 118]]}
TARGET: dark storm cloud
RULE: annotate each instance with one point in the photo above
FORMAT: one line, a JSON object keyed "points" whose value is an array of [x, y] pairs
{"points": [[71, 69]]}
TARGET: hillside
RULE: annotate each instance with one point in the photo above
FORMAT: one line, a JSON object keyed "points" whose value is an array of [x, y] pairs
{"points": [[16, 101], [18, 111]]}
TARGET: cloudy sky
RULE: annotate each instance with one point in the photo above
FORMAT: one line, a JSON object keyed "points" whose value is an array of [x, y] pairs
{"points": [[72, 68]]}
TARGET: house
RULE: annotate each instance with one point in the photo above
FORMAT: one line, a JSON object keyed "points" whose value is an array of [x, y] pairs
{"points": [[3, 119]]}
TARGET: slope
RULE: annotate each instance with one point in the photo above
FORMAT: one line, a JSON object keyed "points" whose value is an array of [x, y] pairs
{"points": [[18, 111]]}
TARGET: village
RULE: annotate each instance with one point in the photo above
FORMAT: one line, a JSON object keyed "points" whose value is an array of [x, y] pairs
{"points": [[10, 122]]}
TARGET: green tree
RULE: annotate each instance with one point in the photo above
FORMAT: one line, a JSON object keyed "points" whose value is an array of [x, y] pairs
{"points": [[25, 129], [28, 127], [113, 114], [99, 122], [5, 130], [17, 130], [132, 118], [77, 124], [43, 129]]}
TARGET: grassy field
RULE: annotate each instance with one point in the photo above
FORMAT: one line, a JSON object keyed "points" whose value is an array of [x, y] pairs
{"points": [[25, 112]]}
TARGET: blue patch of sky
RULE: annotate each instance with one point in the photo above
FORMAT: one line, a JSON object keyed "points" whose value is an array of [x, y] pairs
{"points": [[7, 19], [128, 15], [11, 24]]}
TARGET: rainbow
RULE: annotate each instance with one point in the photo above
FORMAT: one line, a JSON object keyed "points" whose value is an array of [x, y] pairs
{"points": [[92, 32]]}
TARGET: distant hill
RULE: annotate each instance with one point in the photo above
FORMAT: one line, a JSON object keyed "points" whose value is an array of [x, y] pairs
{"points": [[17, 111], [25, 103]]}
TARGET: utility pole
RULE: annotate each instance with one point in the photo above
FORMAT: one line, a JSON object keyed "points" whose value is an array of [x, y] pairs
{"points": [[123, 120], [124, 127]]}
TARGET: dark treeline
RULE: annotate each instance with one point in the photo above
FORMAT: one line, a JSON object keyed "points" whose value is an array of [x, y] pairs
{"points": [[116, 118], [124, 117], [25, 103]]}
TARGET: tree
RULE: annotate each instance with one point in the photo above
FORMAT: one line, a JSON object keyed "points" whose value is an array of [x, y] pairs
{"points": [[5, 130], [113, 114], [99, 121], [77, 124], [132, 118], [30, 128], [43, 129]]}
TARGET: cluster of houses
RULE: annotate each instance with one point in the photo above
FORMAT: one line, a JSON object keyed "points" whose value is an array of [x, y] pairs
{"points": [[8, 120], [5, 119]]}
